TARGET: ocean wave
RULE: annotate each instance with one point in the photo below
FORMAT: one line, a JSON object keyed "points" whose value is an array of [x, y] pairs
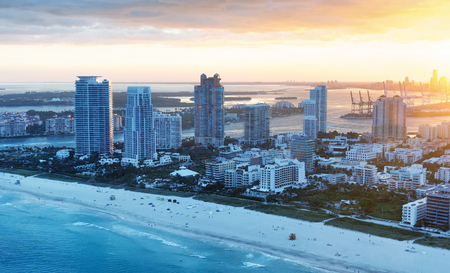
{"points": [[6, 204], [253, 265], [250, 255], [89, 225], [199, 256], [269, 256], [132, 232]]}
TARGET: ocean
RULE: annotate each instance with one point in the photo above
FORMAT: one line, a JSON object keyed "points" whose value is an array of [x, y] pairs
{"points": [[37, 237]]}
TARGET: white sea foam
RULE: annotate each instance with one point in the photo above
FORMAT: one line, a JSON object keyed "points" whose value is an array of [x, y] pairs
{"points": [[89, 225], [6, 204], [250, 255], [253, 265], [80, 224], [132, 232], [199, 256]]}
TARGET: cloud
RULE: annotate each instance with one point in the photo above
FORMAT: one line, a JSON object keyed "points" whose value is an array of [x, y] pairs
{"points": [[221, 22]]}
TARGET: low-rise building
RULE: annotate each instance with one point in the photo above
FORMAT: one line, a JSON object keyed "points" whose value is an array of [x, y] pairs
{"points": [[64, 153], [365, 175], [365, 152], [240, 177], [216, 170], [60, 125], [408, 156], [184, 172], [414, 212], [423, 191], [443, 174], [408, 178]]}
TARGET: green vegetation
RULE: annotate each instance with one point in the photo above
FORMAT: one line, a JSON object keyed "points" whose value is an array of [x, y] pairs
{"points": [[434, 242], [374, 229], [228, 201], [65, 177], [290, 212], [388, 211], [19, 172]]}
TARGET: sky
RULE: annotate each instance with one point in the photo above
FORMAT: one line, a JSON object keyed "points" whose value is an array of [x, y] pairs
{"points": [[245, 40]]}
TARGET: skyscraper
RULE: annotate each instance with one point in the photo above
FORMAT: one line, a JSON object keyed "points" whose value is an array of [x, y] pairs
{"points": [[209, 112], [302, 149], [168, 131], [389, 118], [93, 116], [257, 123], [139, 134], [315, 113]]}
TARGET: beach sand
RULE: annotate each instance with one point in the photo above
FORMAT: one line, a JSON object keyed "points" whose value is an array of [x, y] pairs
{"points": [[317, 245]]}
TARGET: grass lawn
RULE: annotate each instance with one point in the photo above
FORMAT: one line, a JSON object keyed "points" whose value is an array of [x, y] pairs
{"points": [[386, 211], [229, 201], [19, 172], [64, 177], [374, 229], [434, 242], [290, 212]]}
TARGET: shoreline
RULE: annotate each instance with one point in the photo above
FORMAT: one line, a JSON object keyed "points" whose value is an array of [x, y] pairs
{"points": [[316, 245]]}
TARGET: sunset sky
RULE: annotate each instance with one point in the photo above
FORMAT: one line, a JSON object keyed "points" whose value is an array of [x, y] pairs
{"points": [[246, 40]]}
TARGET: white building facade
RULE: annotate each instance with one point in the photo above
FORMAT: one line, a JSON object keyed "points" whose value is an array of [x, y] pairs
{"points": [[168, 131], [284, 173]]}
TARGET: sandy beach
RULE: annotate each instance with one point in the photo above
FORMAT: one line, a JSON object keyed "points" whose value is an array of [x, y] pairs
{"points": [[317, 245]]}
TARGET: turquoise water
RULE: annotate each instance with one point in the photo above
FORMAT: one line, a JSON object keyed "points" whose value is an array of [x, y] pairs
{"points": [[46, 238]]}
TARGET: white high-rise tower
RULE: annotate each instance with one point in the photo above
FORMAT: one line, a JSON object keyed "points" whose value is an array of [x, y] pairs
{"points": [[315, 113], [139, 131]]}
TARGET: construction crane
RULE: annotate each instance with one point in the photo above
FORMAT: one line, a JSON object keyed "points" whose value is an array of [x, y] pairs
{"points": [[355, 106], [362, 103], [370, 103]]}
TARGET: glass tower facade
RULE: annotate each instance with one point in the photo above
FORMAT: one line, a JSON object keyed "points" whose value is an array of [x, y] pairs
{"points": [[315, 116], [302, 149], [257, 123], [93, 116], [209, 112], [139, 134]]}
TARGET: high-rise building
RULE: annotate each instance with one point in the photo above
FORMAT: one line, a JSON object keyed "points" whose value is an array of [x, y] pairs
{"points": [[434, 79], [438, 207], [117, 122], [284, 173], [427, 132], [139, 134], [93, 116], [389, 118], [315, 113], [209, 112], [168, 131], [302, 149], [257, 123], [443, 83]]}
